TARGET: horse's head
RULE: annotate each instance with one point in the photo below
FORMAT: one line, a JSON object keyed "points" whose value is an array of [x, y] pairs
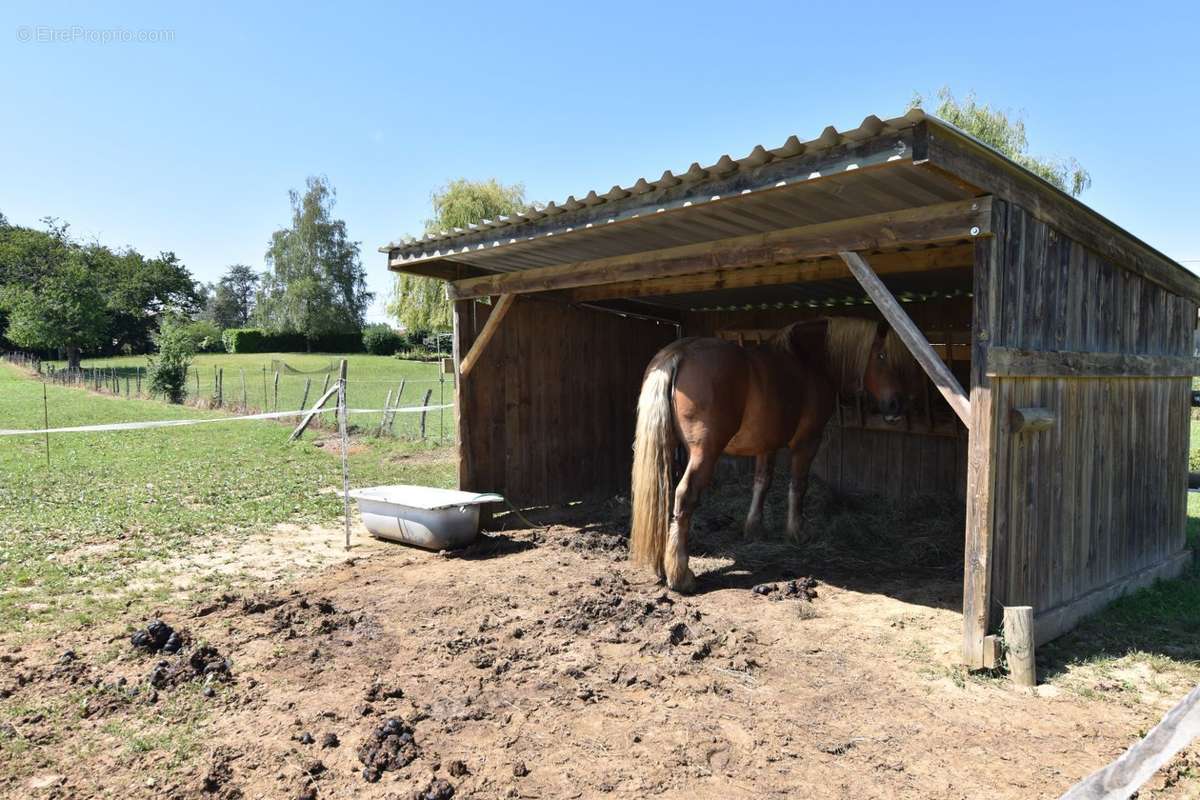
{"points": [[883, 377]]}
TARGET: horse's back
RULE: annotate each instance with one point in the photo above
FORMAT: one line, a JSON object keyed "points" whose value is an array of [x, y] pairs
{"points": [[742, 398]]}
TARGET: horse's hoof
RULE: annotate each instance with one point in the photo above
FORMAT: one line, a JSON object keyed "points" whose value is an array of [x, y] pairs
{"points": [[798, 535], [686, 584]]}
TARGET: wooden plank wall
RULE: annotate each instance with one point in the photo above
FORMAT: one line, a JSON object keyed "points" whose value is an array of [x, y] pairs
{"points": [[894, 463], [549, 408], [1102, 494]]}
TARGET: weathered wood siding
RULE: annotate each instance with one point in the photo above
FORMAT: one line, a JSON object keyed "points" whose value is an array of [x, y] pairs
{"points": [[547, 413], [1100, 496]]}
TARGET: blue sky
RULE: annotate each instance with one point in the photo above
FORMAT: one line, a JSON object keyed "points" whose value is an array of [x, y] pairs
{"points": [[191, 144]]}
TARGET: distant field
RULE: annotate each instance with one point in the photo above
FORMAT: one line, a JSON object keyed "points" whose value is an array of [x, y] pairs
{"points": [[370, 379], [111, 502]]}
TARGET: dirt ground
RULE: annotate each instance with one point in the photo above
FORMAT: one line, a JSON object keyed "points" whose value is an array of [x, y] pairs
{"points": [[540, 664]]}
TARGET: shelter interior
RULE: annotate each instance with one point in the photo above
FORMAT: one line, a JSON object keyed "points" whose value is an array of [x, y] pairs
{"points": [[1027, 296]]}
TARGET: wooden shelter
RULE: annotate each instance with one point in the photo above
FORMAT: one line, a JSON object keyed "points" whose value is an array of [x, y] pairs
{"points": [[1072, 338]]}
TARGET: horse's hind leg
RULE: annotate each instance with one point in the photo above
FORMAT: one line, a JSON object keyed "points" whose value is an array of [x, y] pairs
{"points": [[696, 477], [764, 470]]}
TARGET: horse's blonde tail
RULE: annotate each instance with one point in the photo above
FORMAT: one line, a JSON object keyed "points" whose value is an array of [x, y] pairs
{"points": [[652, 455]]}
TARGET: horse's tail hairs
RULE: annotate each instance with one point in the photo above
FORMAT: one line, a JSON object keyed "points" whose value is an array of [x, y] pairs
{"points": [[653, 446]]}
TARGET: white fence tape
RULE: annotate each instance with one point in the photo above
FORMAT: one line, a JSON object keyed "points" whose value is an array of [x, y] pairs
{"points": [[171, 423]]}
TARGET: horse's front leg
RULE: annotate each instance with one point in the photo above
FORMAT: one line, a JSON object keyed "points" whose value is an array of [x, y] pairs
{"points": [[803, 453], [764, 470]]}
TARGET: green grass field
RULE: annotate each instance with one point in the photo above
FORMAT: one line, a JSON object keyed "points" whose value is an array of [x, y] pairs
{"points": [[369, 379], [128, 499]]}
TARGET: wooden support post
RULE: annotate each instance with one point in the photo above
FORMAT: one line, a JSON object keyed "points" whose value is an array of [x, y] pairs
{"points": [[1019, 645], [275, 403], [911, 335], [307, 386], [978, 648], [489, 330], [220, 387], [464, 332], [425, 402]]}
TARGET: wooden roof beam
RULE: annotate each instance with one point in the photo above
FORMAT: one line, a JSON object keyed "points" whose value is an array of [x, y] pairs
{"points": [[824, 269], [939, 223]]}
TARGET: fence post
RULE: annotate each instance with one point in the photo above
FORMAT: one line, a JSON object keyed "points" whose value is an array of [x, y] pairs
{"points": [[275, 405], [392, 416], [220, 387], [425, 402], [1019, 641], [304, 400], [386, 406], [126, 387], [245, 404], [46, 423], [265, 395], [139, 381], [341, 413], [197, 383]]}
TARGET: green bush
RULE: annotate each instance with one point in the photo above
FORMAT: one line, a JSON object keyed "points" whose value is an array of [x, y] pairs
{"points": [[1194, 461], [168, 369], [206, 336], [381, 340], [414, 339], [257, 340]]}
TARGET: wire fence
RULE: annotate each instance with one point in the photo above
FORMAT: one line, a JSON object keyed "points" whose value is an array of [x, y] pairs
{"points": [[241, 390]]}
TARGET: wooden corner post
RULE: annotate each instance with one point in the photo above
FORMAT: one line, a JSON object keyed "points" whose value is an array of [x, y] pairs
{"points": [[464, 334], [979, 649]]}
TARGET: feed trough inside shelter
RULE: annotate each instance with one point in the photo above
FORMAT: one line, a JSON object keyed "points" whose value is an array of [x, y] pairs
{"points": [[1035, 305]]}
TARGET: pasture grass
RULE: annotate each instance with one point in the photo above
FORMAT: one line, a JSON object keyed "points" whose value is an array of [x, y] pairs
{"points": [[113, 507], [1145, 642], [369, 379]]}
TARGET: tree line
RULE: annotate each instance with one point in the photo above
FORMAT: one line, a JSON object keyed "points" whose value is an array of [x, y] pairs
{"points": [[59, 294], [62, 295]]}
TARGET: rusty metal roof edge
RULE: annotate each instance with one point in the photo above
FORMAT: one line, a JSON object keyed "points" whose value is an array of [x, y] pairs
{"points": [[491, 233]]}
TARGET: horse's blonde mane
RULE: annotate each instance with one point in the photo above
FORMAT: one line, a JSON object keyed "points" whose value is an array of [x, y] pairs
{"points": [[848, 342]]}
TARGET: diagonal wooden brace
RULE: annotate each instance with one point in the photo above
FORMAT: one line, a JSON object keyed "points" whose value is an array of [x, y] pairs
{"points": [[489, 330], [911, 335]]}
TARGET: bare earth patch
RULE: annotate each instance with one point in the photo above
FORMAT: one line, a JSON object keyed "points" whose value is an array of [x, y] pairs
{"points": [[541, 664]]}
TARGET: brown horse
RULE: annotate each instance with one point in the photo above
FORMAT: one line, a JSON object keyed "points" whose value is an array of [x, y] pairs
{"points": [[713, 397]]}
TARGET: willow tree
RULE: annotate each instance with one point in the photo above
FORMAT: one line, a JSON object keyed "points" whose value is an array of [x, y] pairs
{"points": [[1006, 133], [420, 303]]}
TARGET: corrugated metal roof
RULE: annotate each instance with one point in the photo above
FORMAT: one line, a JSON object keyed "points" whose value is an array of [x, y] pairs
{"points": [[761, 169]]}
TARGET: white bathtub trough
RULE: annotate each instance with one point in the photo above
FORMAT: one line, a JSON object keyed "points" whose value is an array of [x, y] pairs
{"points": [[436, 519]]}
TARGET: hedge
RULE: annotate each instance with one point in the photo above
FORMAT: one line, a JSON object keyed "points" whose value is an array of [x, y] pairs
{"points": [[257, 340]]}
